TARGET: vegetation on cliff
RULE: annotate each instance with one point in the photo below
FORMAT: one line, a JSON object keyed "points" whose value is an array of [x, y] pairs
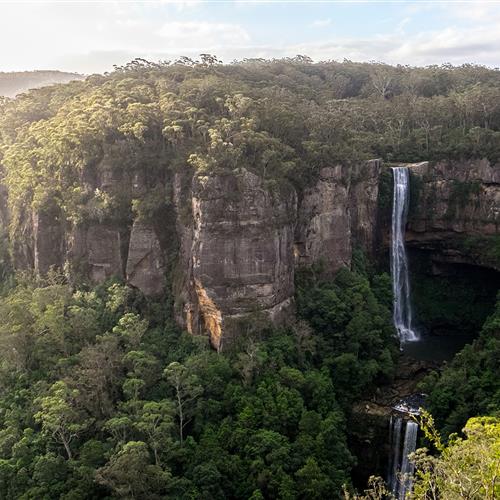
{"points": [[467, 467], [103, 396], [470, 385], [278, 118]]}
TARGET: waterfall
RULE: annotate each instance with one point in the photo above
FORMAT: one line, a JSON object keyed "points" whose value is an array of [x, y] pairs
{"points": [[400, 477], [402, 314], [395, 445], [406, 465]]}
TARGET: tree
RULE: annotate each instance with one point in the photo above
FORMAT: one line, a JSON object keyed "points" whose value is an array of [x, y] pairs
{"points": [[155, 422], [313, 482], [60, 417], [467, 468], [129, 473], [187, 391]]}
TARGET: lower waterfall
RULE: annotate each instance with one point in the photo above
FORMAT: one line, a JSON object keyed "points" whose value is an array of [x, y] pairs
{"points": [[400, 477]]}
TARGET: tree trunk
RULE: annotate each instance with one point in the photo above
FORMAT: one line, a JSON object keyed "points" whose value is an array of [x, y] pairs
{"points": [[65, 443]]}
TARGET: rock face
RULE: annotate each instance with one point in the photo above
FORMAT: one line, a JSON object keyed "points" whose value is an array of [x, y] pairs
{"points": [[48, 238], [363, 204], [232, 241], [339, 212], [236, 254], [455, 210], [369, 420], [97, 248], [324, 226], [145, 263]]}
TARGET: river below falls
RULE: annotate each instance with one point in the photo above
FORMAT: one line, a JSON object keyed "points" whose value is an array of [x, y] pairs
{"points": [[436, 347]]}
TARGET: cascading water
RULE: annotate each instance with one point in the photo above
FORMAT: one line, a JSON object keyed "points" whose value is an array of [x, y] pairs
{"points": [[407, 465], [395, 443], [400, 478], [402, 315]]}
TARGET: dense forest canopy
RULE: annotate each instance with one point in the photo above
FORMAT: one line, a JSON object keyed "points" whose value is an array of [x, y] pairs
{"points": [[102, 396]]}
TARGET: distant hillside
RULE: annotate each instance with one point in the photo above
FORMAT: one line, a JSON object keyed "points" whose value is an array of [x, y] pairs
{"points": [[14, 83]]}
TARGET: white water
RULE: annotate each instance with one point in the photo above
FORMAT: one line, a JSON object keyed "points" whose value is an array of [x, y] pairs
{"points": [[407, 465], [402, 314], [400, 480], [395, 442]]}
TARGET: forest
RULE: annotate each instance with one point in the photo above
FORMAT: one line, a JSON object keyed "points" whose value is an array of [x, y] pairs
{"points": [[103, 395]]}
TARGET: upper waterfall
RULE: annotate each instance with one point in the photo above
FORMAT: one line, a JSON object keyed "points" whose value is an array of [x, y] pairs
{"points": [[402, 314]]}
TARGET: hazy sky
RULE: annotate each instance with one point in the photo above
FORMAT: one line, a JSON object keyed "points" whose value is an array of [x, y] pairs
{"points": [[91, 36]]}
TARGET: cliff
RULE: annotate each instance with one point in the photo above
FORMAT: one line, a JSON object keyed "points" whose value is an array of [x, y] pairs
{"points": [[455, 212], [229, 243], [236, 257], [338, 213]]}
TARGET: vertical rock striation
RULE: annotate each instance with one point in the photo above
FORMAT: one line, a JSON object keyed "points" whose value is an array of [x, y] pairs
{"points": [[324, 222], [455, 211], [48, 236], [363, 204], [338, 213], [96, 249], [145, 262], [231, 241], [236, 253]]}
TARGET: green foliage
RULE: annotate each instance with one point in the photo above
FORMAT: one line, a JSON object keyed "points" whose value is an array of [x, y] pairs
{"points": [[462, 312], [104, 398], [467, 468], [485, 248], [470, 385], [354, 329], [461, 194], [281, 119]]}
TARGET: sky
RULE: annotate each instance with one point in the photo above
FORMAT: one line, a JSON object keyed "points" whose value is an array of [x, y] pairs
{"points": [[91, 36]]}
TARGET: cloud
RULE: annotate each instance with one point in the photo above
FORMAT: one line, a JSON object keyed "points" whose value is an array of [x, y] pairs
{"points": [[200, 34], [321, 23], [91, 37], [400, 28], [451, 45]]}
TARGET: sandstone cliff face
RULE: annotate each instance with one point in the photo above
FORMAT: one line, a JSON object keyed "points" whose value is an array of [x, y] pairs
{"points": [[48, 238], [235, 240], [236, 253], [455, 210], [324, 225], [97, 248], [145, 262], [339, 212], [363, 204]]}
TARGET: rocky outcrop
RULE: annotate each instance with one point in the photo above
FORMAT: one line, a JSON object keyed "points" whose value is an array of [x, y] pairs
{"points": [[145, 262], [455, 211], [324, 224], [369, 420], [363, 204], [48, 235], [337, 213], [97, 250], [231, 241], [236, 253]]}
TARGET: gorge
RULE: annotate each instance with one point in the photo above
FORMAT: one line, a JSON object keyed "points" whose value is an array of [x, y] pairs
{"points": [[235, 244], [205, 277]]}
